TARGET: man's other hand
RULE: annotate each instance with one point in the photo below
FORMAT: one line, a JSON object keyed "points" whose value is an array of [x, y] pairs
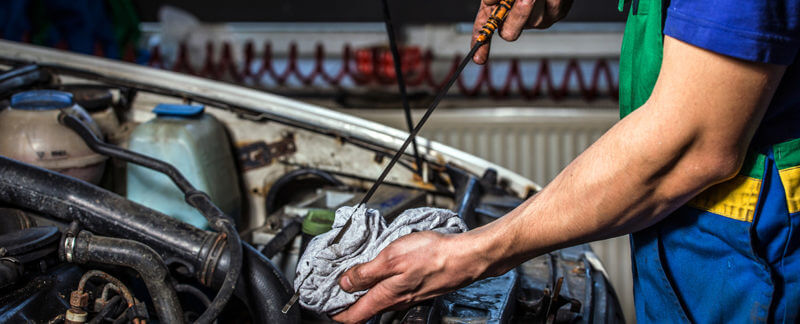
{"points": [[525, 14], [411, 269]]}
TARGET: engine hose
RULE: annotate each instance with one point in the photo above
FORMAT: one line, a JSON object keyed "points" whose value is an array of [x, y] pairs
{"points": [[12, 220], [273, 196], [283, 238], [106, 213], [22, 77], [103, 148], [88, 248], [217, 220], [231, 276], [265, 289], [10, 271], [194, 291]]}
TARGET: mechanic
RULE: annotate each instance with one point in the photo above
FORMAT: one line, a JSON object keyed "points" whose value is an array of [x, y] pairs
{"points": [[705, 173]]}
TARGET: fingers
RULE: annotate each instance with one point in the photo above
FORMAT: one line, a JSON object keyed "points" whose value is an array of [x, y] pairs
{"points": [[365, 275], [377, 300], [483, 14], [557, 10], [518, 18]]}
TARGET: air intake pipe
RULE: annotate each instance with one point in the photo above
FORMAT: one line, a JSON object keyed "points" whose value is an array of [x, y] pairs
{"points": [[201, 254], [86, 248]]}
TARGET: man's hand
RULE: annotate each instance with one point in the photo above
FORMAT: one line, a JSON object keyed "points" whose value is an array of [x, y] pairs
{"points": [[525, 14], [414, 268]]}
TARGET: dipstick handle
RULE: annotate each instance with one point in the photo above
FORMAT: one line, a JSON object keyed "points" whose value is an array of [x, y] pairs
{"points": [[495, 20]]}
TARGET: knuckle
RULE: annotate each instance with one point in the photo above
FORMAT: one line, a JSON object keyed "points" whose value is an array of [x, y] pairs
{"points": [[407, 298], [359, 273], [508, 35], [358, 276], [394, 264], [557, 13]]}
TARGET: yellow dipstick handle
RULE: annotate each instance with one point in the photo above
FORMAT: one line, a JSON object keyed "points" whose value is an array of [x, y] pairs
{"points": [[495, 20]]}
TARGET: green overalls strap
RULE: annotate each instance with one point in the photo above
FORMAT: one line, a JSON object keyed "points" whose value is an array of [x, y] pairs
{"points": [[642, 51]]}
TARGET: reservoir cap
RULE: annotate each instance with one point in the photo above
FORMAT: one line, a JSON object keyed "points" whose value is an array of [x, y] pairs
{"points": [[318, 221], [41, 100], [176, 110]]}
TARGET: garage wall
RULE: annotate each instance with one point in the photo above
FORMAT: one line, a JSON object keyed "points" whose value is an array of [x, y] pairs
{"points": [[415, 11]]}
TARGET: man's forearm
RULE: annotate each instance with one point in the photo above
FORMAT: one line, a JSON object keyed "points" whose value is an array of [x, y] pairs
{"points": [[647, 165], [621, 184]]}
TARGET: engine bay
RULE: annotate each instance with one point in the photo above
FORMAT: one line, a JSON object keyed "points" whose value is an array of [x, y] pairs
{"points": [[134, 195]]}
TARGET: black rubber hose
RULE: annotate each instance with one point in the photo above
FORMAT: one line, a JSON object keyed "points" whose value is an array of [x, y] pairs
{"points": [[104, 212], [194, 291], [10, 272], [468, 192], [12, 220], [270, 203], [283, 238], [88, 248], [265, 289], [199, 200], [21, 78], [103, 148], [231, 276]]}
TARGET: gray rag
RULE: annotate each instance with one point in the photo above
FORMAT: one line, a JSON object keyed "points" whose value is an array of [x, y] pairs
{"points": [[322, 263]]}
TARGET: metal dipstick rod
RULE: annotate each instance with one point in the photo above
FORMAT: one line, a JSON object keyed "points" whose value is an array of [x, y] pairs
{"points": [[401, 83], [495, 20]]}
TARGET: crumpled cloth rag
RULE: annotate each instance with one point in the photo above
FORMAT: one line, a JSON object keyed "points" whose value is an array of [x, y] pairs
{"points": [[318, 271]]}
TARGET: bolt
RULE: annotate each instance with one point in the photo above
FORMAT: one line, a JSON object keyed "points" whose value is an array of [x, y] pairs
{"points": [[78, 299]]}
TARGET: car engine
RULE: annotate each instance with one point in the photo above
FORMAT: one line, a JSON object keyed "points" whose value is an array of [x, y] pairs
{"points": [[134, 195]]}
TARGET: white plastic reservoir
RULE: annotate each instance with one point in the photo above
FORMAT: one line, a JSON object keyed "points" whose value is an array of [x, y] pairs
{"points": [[197, 145]]}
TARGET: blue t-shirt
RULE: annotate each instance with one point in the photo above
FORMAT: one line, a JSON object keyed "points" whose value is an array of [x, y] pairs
{"points": [[765, 31]]}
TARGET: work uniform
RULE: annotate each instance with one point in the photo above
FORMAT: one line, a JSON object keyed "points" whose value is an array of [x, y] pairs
{"points": [[732, 254]]}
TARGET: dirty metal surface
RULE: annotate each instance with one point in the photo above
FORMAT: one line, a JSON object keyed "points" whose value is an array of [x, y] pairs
{"points": [[260, 154], [490, 300]]}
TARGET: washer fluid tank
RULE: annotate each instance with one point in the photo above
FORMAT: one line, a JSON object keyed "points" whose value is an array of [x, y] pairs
{"points": [[197, 145], [30, 133]]}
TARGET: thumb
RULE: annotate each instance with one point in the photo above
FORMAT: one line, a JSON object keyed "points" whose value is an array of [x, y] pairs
{"points": [[365, 275]]}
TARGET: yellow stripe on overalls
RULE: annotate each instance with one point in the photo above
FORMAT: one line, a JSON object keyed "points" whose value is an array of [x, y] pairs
{"points": [[735, 198], [790, 179]]}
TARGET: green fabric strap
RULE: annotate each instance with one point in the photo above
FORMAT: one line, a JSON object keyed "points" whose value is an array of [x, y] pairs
{"points": [[642, 51]]}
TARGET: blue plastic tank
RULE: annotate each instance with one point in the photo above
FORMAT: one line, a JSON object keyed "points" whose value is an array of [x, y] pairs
{"points": [[196, 144]]}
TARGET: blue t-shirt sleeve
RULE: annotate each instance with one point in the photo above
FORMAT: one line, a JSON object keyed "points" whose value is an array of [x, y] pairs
{"points": [[755, 30]]}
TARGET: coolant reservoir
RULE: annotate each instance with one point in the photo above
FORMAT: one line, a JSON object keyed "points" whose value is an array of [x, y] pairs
{"points": [[197, 145], [30, 133]]}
